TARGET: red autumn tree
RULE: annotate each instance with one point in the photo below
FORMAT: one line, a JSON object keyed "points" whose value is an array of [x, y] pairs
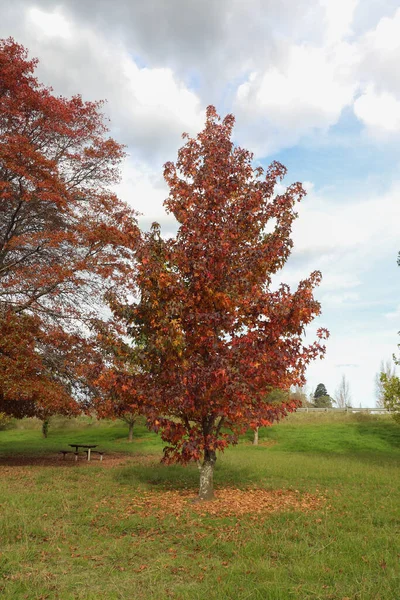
{"points": [[217, 336], [115, 398], [65, 239]]}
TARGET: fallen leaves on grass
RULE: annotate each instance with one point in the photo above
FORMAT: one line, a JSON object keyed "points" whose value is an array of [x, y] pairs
{"points": [[228, 502]]}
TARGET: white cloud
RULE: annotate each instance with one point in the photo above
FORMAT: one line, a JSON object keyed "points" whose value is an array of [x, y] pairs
{"points": [[385, 38], [278, 106], [52, 24], [339, 16], [159, 103], [380, 48], [364, 226], [380, 112], [378, 106], [149, 107], [306, 88]]}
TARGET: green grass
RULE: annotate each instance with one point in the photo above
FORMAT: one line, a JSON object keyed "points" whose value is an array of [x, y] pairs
{"points": [[68, 532]]}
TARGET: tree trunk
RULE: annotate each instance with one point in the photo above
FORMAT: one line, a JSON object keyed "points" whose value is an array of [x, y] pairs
{"points": [[45, 428], [255, 439], [130, 434], [206, 490]]}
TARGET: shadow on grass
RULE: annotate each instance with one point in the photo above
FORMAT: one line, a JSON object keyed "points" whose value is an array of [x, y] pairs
{"points": [[363, 435], [55, 460], [387, 434], [171, 477]]}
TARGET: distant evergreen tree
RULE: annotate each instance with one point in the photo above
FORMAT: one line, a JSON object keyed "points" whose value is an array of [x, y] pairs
{"points": [[321, 397], [320, 390]]}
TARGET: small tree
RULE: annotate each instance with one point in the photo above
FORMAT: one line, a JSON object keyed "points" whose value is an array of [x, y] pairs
{"points": [[130, 419], [116, 399], [45, 427], [387, 368], [388, 386], [218, 338], [342, 395], [391, 394], [323, 402], [300, 395]]}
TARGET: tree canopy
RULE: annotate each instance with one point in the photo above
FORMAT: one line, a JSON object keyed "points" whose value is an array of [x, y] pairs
{"points": [[65, 239]]}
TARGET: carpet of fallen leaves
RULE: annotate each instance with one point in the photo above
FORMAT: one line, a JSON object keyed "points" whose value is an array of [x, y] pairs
{"points": [[229, 502]]}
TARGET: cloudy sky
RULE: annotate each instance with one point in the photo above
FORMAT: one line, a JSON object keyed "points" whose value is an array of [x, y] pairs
{"points": [[314, 84]]}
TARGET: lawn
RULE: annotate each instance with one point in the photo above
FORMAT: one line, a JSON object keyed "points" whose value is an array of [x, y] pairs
{"points": [[312, 512]]}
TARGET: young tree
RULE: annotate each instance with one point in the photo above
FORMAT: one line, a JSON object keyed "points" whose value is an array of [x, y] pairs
{"points": [[301, 395], [130, 420], [386, 368], [115, 400], [323, 402], [65, 238], [391, 394], [388, 389], [218, 337], [342, 395]]}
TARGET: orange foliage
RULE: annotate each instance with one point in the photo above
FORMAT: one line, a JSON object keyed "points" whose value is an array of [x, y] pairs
{"points": [[65, 238]]}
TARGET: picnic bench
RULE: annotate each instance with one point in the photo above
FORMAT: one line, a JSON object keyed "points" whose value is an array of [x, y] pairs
{"points": [[88, 448]]}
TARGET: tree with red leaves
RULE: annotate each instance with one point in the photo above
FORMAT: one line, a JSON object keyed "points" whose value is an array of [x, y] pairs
{"points": [[116, 397], [218, 337], [65, 239]]}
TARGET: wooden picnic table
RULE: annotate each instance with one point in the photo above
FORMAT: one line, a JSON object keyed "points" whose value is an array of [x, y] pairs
{"points": [[87, 446]]}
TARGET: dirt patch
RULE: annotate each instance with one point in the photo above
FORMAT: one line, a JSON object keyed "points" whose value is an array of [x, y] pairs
{"points": [[229, 502], [56, 460]]}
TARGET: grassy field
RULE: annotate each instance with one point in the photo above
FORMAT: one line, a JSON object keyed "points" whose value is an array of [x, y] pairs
{"points": [[320, 516]]}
